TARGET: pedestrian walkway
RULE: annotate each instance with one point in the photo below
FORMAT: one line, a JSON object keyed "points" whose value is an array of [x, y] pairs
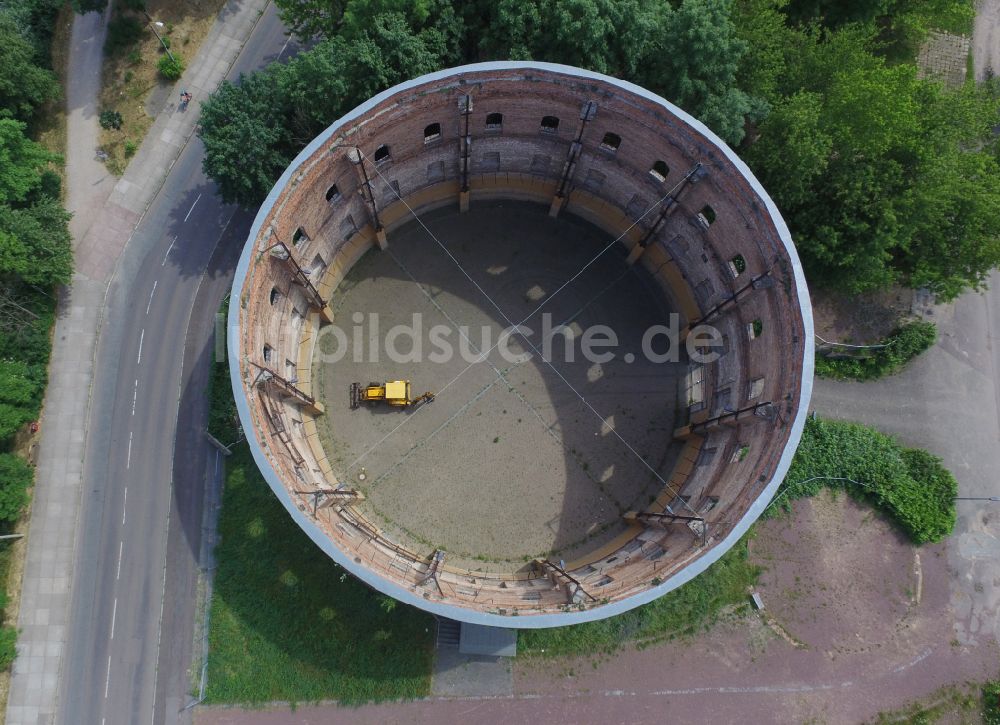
{"points": [[106, 213]]}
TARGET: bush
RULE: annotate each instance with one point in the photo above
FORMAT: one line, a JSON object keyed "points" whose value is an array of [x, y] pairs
{"points": [[134, 57], [110, 119], [170, 67], [904, 344], [123, 31], [909, 485], [991, 703], [15, 478], [130, 148]]}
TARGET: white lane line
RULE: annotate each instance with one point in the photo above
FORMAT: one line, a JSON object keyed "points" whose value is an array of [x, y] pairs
{"points": [[107, 680], [150, 303], [124, 501], [165, 256], [135, 395], [128, 459], [114, 615], [282, 52], [192, 207], [138, 360], [121, 549]]}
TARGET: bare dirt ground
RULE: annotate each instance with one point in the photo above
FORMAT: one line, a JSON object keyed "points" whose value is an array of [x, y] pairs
{"points": [[859, 319], [854, 627]]}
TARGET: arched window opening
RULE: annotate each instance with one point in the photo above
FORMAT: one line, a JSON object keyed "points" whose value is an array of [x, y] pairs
{"points": [[754, 329], [550, 124], [275, 295], [660, 171], [494, 121], [611, 141], [381, 154], [432, 132], [300, 237], [706, 216], [333, 193], [268, 352]]}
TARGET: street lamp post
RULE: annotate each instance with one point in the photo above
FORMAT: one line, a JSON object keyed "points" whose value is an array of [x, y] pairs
{"points": [[153, 24]]}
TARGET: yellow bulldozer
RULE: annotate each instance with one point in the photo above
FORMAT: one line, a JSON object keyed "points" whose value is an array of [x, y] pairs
{"points": [[395, 392]]}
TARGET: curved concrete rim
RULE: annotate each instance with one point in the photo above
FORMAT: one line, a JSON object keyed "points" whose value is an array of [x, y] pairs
{"points": [[535, 621]]}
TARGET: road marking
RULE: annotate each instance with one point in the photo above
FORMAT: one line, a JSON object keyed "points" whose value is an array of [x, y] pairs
{"points": [[135, 396], [165, 256], [128, 459], [107, 680], [199, 195], [114, 615], [138, 360], [150, 303], [124, 501], [281, 52], [121, 549]]}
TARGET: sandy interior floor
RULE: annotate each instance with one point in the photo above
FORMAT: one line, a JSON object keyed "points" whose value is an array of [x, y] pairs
{"points": [[508, 462]]}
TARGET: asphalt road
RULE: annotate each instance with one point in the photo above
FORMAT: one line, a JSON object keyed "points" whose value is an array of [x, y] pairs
{"points": [[130, 641]]}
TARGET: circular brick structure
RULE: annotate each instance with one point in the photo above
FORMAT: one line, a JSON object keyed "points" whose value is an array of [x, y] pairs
{"points": [[669, 196]]}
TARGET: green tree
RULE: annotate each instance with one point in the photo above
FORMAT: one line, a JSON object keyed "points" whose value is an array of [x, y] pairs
{"points": [[388, 54], [35, 243], [309, 19], [695, 65], [22, 162], [252, 130], [17, 394], [16, 477], [88, 6], [882, 177], [793, 150], [608, 36], [247, 144], [24, 86], [761, 26]]}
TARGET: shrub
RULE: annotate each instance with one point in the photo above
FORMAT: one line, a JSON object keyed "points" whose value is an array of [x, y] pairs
{"points": [[15, 478], [904, 344], [909, 485], [130, 148], [110, 119], [123, 31], [170, 67], [134, 57], [991, 703]]}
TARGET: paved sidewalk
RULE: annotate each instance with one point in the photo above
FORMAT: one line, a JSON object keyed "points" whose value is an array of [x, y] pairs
{"points": [[105, 217]]}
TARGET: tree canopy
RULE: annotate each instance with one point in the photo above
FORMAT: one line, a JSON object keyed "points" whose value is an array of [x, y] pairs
{"points": [[883, 177], [23, 85]]}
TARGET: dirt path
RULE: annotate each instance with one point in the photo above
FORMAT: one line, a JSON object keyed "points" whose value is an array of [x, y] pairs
{"points": [[986, 38]]}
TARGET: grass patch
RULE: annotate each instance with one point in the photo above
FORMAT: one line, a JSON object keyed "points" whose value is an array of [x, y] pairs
{"points": [[131, 65], [904, 344], [909, 485], [287, 623], [946, 704], [682, 612]]}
